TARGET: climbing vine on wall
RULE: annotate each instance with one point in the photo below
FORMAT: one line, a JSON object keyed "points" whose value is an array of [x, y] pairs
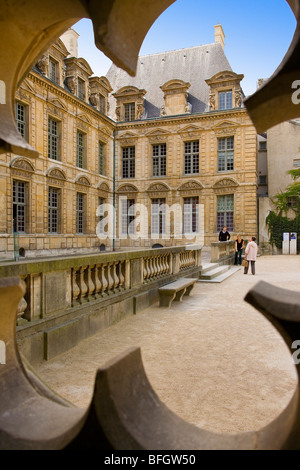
{"points": [[286, 216]]}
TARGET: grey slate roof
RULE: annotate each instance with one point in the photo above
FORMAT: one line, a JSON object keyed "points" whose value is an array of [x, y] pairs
{"points": [[193, 65]]}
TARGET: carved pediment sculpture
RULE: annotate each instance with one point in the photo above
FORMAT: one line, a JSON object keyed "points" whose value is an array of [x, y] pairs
{"points": [[22, 163]]}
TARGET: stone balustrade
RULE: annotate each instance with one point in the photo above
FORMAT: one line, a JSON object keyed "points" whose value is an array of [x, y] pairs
{"points": [[223, 252], [68, 299]]}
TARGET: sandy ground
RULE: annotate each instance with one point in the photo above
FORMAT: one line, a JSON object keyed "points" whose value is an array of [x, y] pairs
{"points": [[212, 359]]}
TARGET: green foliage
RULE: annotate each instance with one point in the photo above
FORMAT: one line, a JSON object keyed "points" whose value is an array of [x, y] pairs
{"points": [[278, 225], [286, 216]]}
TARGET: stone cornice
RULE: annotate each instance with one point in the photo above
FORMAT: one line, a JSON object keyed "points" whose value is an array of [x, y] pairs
{"points": [[184, 119]]}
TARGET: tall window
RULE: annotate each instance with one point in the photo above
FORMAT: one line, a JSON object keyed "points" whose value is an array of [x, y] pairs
{"points": [[53, 210], [19, 206], [21, 119], [53, 70], [226, 154], [191, 157], [101, 158], [80, 213], [128, 162], [80, 89], [53, 139], [158, 216], [101, 104], [190, 215], [100, 226], [128, 215], [129, 111], [225, 206], [80, 150], [159, 160], [225, 100]]}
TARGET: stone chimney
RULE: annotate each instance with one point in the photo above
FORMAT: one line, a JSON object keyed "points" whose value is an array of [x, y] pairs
{"points": [[70, 40], [219, 35]]}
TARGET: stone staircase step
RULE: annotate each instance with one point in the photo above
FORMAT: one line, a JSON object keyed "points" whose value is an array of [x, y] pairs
{"points": [[219, 275], [208, 266], [214, 272]]}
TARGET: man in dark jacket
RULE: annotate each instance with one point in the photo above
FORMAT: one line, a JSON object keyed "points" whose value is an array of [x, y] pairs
{"points": [[224, 236]]}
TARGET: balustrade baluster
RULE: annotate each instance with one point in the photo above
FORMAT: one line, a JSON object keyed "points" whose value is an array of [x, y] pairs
{"points": [[148, 268], [75, 287], [90, 284], [109, 277], [103, 280], [121, 276], [97, 281], [155, 266], [145, 269], [115, 276], [82, 285]]}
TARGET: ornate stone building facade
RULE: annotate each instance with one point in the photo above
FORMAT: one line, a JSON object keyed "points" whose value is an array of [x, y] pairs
{"points": [[173, 150]]}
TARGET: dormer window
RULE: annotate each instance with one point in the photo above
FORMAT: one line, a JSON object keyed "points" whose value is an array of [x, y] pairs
{"points": [[80, 89], [225, 91], [129, 111], [53, 70], [225, 100], [129, 103]]}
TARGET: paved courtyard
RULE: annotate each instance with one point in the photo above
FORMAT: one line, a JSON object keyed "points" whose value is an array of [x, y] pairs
{"points": [[213, 359]]}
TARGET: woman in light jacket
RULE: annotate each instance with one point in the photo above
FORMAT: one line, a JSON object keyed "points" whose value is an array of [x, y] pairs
{"points": [[250, 255]]}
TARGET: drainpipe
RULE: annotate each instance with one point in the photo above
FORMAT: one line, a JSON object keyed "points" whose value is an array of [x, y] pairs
{"points": [[114, 190]]}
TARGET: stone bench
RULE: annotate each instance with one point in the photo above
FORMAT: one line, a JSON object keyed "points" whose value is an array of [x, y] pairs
{"points": [[175, 291]]}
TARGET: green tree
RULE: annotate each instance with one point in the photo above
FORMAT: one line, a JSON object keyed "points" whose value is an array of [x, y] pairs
{"points": [[286, 215]]}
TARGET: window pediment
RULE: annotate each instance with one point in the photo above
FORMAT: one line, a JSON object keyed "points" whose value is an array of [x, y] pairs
{"points": [[158, 135], [175, 86], [103, 187], [190, 187], [127, 188], [225, 185], [190, 132], [225, 128], [83, 180], [160, 187], [56, 172], [58, 103], [22, 163]]}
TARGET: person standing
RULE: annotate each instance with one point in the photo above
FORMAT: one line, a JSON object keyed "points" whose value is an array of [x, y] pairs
{"points": [[250, 255], [239, 246], [224, 235]]}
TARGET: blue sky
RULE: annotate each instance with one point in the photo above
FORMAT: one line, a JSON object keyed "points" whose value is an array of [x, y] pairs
{"points": [[258, 34]]}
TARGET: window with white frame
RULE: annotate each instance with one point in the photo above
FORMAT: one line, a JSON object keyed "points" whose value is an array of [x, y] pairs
{"points": [[159, 160], [53, 70], [100, 227], [80, 212], [128, 162], [101, 157], [80, 150], [190, 215], [21, 119], [191, 157], [158, 216], [225, 211], [225, 100], [19, 206], [129, 111], [226, 154], [53, 139], [128, 216], [296, 163], [53, 209], [80, 88]]}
